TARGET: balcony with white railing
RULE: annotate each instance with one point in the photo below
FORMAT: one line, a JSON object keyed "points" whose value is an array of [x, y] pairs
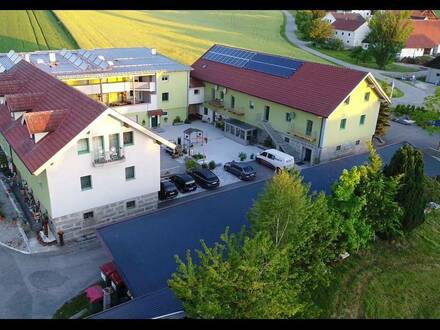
{"points": [[102, 157], [135, 106], [144, 86]]}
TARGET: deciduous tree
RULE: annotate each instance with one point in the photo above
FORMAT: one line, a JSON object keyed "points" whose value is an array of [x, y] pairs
{"points": [[389, 31], [383, 119]]}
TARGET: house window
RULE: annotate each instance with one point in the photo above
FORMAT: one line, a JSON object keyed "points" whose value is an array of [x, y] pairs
{"points": [[128, 138], [362, 120], [347, 100], [222, 95], [251, 104], [367, 96], [83, 146], [129, 173], [357, 142], [212, 93], [288, 116], [286, 139], [309, 127], [131, 204], [165, 96], [196, 92], [342, 33], [131, 93], [338, 148], [86, 182], [343, 123], [349, 34], [232, 102], [88, 215], [164, 78], [348, 41], [205, 111]]}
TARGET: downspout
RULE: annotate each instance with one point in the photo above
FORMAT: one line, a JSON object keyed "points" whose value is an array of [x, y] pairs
{"points": [[100, 88], [320, 138]]}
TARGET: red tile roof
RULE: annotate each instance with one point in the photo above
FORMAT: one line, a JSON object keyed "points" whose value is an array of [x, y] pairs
{"points": [[23, 101], [79, 111], [422, 14], [43, 121], [426, 34], [314, 88], [347, 21], [10, 86]]}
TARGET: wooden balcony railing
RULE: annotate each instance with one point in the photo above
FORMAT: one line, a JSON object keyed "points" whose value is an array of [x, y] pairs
{"points": [[302, 135]]}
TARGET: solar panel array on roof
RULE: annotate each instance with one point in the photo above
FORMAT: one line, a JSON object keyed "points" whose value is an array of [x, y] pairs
{"points": [[270, 64]]}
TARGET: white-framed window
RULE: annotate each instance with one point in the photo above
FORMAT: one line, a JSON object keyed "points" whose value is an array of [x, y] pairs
{"points": [[129, 173], [196, 92], [83, 146], [86, 182]]}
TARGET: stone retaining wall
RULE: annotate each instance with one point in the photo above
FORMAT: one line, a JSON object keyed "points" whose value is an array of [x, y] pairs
{"points": [[76, 228]]}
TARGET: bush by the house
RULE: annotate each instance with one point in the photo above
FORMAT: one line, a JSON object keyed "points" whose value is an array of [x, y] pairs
{"points": [[191, 164], [177, 120], [220, 124], [268, 142], [242, 156], [332, 44], [198, 156], [211, 165], [187, 121], [419, 60]]}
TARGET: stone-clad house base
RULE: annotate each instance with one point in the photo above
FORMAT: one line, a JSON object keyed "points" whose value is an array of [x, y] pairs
{"points": [[76, 228]]}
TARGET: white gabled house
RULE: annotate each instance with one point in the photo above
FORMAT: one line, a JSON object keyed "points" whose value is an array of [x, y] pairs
{"points": [[85, 163], [350, 28]]}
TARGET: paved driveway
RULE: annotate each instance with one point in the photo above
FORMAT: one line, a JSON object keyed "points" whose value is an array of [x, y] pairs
{"points": [[35, 286]]}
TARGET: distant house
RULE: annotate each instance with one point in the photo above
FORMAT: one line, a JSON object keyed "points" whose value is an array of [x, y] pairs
{"points": [[424, 40], [351, 28], [433, 75], [367, 14], [424, 15]]}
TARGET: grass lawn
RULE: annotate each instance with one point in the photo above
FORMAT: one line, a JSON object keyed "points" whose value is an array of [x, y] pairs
{"points": [[344, 55], [390, 280], [182, 35], [29, 30]]}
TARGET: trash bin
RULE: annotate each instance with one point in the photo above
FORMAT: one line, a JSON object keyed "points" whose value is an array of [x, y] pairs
{"points": [[94, 296], [106, 270]]}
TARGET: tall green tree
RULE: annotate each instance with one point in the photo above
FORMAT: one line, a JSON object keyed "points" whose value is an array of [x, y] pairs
{"points": [[290, 214], [239, 278], [389, 31], [383, 119], [360, 55], [356, 230], [432, 102], [303, 20], [407, 163], [381, 209]]}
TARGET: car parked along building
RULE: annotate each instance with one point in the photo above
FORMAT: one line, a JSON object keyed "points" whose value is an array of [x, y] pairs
{"points": [[85, 163], [313, 111]]}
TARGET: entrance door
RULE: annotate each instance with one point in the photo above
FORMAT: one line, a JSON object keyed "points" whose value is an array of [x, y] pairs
{"points": [[307, 154], [266, 113], [154, 121], [98, 147]]}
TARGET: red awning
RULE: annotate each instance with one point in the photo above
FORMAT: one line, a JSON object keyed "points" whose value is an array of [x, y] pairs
{"points": [[108, 268], [155, 113], [116, 278]]}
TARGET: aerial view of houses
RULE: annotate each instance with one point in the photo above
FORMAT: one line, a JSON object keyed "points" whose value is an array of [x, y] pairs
{"points": [[270, 164]]}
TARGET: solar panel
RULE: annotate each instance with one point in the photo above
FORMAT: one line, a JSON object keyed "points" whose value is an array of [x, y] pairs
{"points": [[2, 68], [72, 58], [270, 69], [276, 60], [97, 61], [78, 62], [63, 52], [92, 58], [68, 55], [103, 65], [87, 54], [18, 59], [83, 66], [81, 52]]}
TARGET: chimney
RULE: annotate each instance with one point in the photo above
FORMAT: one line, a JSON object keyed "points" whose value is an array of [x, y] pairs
{"points": [[153, 51], [27, 57], [52, 58]]}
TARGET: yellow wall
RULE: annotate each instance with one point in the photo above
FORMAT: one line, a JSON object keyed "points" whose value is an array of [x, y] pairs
{"points": [[334, 136]]}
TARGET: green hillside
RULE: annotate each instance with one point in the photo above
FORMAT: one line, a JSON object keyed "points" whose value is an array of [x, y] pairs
{"points": [[28, 30], [181, 35]]}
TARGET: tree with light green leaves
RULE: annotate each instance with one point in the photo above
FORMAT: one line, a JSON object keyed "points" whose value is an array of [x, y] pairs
{"points": [[241, 277], [389, 31]]}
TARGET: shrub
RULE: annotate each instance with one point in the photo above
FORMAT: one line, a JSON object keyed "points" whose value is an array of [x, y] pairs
{"points": [[204, 165], [211, 165], [242, 156], [220, 124], [187, 121], [198, 156], [177, 120], [252, 156], [268, 142], [422, 60], [332, 44], [191, 164]]}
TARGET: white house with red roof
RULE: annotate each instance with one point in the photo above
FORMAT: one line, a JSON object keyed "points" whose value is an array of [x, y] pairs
{"points": [[83, 164], [424, 39], [351, 28]]}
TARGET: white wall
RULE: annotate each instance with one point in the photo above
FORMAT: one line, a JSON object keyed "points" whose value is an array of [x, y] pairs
{"points": [[411, 52], [108, 181], [353, 38], [196, 98], [141, 107]]}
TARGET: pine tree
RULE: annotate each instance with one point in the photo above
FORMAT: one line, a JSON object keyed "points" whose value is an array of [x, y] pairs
{"points": [[407, 163], [383, 119]]}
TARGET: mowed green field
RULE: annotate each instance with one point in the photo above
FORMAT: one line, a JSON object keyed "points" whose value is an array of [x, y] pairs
{"points": [[28, 30], [390, 280], [181, 35]]}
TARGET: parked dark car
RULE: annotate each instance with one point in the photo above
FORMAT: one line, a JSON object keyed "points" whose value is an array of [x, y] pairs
{"points": [[205, 178], [184, 182], [244, 172], [168, 190]]}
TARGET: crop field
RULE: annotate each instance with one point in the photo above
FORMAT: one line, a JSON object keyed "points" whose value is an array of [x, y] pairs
{"points": [[28, 30], [400, 280], [181, 35]]}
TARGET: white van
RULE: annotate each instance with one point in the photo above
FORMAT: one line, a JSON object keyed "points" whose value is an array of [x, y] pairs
{"points": [[276, 159]]}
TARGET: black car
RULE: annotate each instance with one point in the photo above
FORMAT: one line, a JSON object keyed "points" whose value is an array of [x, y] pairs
{"points": [[184, 182], [168, 190], [244, 172], [205, 178]]}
